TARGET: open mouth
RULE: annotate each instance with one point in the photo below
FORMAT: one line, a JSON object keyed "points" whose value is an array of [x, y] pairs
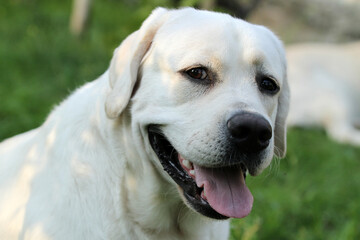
{"points": [[217, 193]]}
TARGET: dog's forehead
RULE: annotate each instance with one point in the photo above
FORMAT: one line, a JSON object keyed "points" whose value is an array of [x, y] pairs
{"points": [[202, 37]]}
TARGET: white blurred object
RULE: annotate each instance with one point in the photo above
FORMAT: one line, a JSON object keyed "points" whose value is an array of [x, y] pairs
{"points": [[325, 87]]}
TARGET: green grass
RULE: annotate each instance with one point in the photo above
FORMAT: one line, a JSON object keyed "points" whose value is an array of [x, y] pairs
{"points": [[314, 193]]}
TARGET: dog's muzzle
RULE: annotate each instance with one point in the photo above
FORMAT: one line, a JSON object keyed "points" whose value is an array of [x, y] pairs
{"points": [[219, 191]]}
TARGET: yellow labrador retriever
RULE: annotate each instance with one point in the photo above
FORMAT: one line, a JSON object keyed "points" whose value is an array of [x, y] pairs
{"points": [[325, 87], [159, 146]]}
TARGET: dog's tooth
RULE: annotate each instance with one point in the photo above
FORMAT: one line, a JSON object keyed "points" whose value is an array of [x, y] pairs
{"points": [[192, 172], [187, 164]]}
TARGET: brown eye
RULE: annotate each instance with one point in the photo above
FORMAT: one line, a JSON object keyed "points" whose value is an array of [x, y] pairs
{"points": [[266, 84], [197, 73]]}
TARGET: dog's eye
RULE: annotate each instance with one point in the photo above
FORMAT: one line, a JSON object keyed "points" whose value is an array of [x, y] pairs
{"points": [[268, 85], [198, 73]]}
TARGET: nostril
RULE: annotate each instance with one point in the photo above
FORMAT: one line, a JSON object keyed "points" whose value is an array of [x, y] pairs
{"points": [[241, 133], [265, 135]]}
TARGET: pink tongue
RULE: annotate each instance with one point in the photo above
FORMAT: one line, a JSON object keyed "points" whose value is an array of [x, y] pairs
{"points": [[225, 190]]}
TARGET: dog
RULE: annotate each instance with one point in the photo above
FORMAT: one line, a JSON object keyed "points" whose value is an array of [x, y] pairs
{"points": [[159, 146], [325, 88]]}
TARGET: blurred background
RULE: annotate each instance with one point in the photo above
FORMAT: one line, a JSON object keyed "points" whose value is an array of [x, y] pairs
{"points": [[48, 48]]}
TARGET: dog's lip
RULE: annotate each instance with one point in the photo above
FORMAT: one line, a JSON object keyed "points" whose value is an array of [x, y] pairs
{"points": [[169, 159]]}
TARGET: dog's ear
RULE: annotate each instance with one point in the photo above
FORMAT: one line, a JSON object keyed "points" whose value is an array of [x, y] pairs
{"points": [[126, 60], [280, 122]]}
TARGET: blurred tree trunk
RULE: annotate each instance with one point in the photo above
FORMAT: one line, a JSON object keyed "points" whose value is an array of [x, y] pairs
{"points": [[207, 4], [241, 9], [79, 16]]}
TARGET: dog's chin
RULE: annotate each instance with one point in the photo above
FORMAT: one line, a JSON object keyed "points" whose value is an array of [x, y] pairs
{"points": [[193, 188]]}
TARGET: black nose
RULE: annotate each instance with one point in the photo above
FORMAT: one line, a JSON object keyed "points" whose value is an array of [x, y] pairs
{"points": [[249, 131]]}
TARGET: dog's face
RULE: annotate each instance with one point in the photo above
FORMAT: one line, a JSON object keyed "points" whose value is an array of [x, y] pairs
{"points": [[209, 104]]}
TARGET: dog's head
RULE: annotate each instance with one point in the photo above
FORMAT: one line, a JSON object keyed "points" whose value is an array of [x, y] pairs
{"points": [[209, 99]]}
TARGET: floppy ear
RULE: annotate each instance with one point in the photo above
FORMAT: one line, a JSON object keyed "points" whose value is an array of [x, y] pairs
{"points": [[280, 122], [126, 60]]}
